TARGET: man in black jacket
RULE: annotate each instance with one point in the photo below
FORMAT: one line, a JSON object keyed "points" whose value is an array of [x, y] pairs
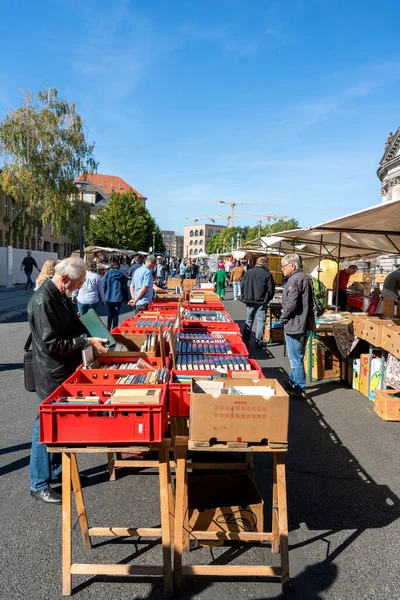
{"points": [[57, 340], [297, 319], [257, 290]]}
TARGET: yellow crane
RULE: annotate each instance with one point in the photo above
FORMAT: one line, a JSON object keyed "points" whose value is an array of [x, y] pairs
{"points": [[233, 204], [263, 215], [197, 219]]}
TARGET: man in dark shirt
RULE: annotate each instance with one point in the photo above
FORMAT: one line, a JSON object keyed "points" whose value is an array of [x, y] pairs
{"points": [[257, 288], [27, 264], [391, 285]]}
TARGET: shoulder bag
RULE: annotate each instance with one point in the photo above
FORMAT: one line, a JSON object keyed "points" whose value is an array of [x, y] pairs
{"points": [[29, 378]]}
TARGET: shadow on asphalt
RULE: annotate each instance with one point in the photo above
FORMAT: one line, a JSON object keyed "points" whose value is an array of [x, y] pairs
{"points": [[10, 366]]}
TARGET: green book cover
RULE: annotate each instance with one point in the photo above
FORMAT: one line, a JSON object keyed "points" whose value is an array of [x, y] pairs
{"points": [[96, 328]]}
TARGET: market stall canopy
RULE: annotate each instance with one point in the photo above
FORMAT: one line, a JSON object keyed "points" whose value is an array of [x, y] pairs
{"points": [[202, 255], [106, 249], [273, 244], [366, 233]]}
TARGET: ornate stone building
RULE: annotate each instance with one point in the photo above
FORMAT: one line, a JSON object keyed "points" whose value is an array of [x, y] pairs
{"points": [[389, 175]]}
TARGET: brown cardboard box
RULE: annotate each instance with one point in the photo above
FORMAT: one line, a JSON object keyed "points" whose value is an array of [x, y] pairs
{"points": [[390, 338], [239, 418], [373, 331], [224, 503], [133, 342], [274, 334], [387, 404], [358, 324], [325, 359], [347, 371]]}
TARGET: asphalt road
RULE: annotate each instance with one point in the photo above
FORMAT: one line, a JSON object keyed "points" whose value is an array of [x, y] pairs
{"points": [[343, 498]]}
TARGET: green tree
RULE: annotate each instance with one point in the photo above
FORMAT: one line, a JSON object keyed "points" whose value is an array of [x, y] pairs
{"points": [[271, 228], [125, 223], [43, 149], [222, 242]]}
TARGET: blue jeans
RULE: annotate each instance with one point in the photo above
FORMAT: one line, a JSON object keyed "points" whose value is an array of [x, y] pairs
{"points": [[83, 308], [28, 279], [44, 466], [296, 346], [253, 310], [236, 289], [113, 309]]}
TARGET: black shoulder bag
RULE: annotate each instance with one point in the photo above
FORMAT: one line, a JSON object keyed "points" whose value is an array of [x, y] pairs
{"points": [[29, 378]]}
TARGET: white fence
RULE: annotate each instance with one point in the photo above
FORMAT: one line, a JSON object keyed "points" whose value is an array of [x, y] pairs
{"points": [[16, 256]]}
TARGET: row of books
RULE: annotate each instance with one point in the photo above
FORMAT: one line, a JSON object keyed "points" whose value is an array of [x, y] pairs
{"points": [[205, 315], [149, 344], [155, 323], [152, 377], [200, 337], [199, 348], [139, 364], [211, 361]]}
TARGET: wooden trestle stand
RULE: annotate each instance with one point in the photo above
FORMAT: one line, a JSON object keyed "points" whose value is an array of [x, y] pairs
{"points": [[71, 479], [278, 536]]}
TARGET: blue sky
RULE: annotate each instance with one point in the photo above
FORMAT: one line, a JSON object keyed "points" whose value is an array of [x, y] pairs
{"points": [[286, 104]]}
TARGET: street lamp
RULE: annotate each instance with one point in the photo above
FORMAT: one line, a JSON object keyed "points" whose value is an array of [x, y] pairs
{"points": [[81, 186], [232, 242], [238, 239]]}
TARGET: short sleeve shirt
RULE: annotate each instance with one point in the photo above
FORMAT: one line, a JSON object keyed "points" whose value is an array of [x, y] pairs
{"points": [[141, 277]]}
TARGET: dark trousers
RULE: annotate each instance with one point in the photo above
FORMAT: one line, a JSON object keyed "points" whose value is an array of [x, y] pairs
{"points": [[113, 309], [342, 300]]}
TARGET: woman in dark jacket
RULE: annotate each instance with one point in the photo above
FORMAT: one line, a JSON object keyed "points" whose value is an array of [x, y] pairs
{"points": [[115, 292]]}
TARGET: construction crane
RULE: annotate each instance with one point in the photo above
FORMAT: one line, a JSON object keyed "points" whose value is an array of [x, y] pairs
{"points": [[233, 204], [269, 217], [263, 215], [197, 219]]}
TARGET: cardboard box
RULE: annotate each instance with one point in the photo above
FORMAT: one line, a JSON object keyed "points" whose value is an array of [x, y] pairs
{"points": [[374, 377], [224, 503], [387, 404], [224, 417], [133, 343], [359, 324], [356, 374], [325, 359], [274, 334], [347, 371], [390, 338], [136, 396], [373, 331]]}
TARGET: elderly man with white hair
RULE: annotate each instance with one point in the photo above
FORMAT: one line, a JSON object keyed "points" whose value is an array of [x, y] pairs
{"points": [[57, 340]]}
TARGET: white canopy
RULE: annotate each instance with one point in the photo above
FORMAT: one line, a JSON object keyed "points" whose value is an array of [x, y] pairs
{"points": [[366, 233]]}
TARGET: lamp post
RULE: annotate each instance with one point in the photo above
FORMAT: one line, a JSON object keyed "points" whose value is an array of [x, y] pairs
{"points": [[81, 186], [238, 239], [232, 243]]}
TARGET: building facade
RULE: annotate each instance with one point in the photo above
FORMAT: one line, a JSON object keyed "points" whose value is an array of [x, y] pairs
{"points": [[173, 242], [98, 188], [196, 237], [389, 175]]}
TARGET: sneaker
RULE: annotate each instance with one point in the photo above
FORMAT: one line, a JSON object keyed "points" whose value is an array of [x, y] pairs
{"points": [[288, 385], [298, 395], [260, 344]]}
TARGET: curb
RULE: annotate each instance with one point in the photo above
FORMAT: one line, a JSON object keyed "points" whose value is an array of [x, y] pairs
{"points": [[10, 317]]}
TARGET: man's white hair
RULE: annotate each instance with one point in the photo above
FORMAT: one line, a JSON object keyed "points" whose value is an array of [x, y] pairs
{"points": [[293, 259], [73, 267]]}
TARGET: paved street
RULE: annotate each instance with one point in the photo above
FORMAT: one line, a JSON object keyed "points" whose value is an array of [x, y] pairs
{"points": [[343, 483]]}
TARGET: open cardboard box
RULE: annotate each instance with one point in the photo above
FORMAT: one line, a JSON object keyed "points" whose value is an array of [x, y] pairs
{"points": [[223, 417], [224, 503]]}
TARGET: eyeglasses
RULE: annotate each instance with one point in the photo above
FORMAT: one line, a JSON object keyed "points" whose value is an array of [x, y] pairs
{"points": [[283, 267]]}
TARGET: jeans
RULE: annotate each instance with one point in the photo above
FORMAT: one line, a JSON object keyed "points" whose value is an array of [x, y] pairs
{"points": [[252, 310], [83, 308], [113, 309], [28, 279], [137, 308], [44, 466], [236, 289], [296, 346]]}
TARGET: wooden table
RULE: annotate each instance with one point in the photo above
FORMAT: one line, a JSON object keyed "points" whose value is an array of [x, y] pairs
{"points": [[70, 477], [278, 537]]}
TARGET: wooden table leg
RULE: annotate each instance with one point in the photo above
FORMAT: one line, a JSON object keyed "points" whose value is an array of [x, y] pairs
{"points": [[275, 513], [180, 506], [283, 519], [164, 469], [80, 503], [111, 465], [66, 525]]}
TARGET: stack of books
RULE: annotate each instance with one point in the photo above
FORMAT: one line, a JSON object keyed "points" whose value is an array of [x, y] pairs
{"points": [[209, 361]]}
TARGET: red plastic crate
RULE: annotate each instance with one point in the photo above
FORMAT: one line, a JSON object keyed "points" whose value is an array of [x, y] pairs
{"points": [[100, 424], [179, 393], [208, 326], [212, 305], [164, 306], [105, 376], [155, 362], [237, 347]]}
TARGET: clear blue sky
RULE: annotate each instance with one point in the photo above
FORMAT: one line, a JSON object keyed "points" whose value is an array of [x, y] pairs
{"points": [[265, 101]]}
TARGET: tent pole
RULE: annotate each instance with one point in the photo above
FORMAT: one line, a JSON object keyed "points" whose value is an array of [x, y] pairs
{"points": [[337, 272], [319, 258]]}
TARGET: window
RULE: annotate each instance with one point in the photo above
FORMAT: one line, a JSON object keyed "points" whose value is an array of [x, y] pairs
{"points": [[191, 243], [201, 231], [195, 252], [27, 243], [195, 242], [13, 209], [1, 238], [7, 239], [191, 251], [5, 205], [191, 234], [218, 231], [47, 247], [210, 232], [196, 232]]}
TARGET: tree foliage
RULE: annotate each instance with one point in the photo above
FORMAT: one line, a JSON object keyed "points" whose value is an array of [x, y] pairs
{"points": [[125, 223], [222, 242], [43, 150]]}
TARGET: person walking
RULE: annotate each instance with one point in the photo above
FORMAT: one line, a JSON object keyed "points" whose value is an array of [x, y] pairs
{"points": [[58, 337], [160, 272], [47, 271], [236, 276], [257, 289], [92, 291], [297, 319], [27, 264], [115, 292], [221, 277], [142, 285], [182, 271]]}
